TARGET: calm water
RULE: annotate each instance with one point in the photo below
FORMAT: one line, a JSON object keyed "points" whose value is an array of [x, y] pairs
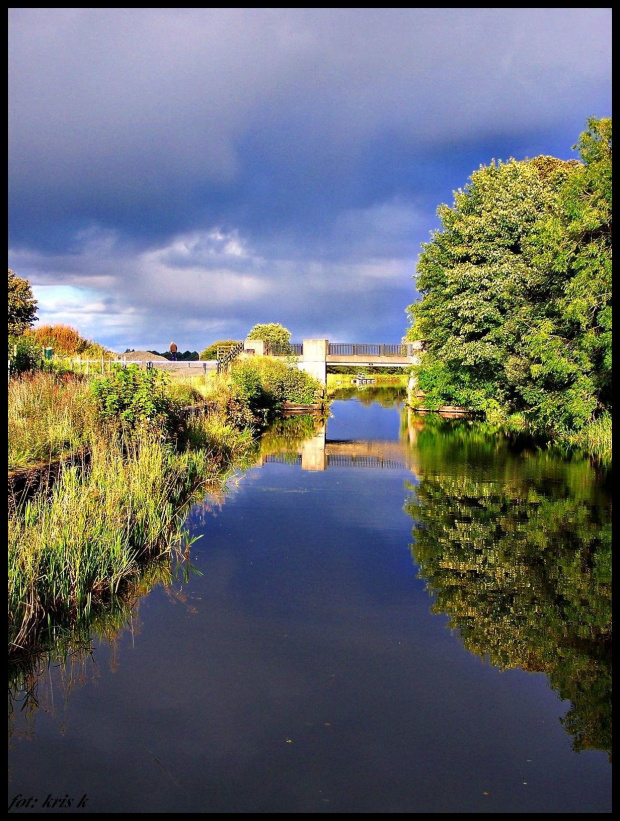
{"points": [[394, 615]]}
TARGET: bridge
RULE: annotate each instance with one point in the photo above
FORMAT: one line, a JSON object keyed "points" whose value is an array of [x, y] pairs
{"points": [[311, 355], [314, 355], [318, 452]]}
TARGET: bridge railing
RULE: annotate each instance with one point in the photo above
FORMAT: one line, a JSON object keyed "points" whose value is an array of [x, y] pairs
{"points": [[353, 349], [284, 348]]}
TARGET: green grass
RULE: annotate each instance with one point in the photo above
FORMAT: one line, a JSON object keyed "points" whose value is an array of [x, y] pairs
{"points": [[596, 438], [76, 550], [48, 416]]}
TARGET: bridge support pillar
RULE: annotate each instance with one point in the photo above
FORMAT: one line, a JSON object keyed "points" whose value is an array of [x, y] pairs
{"points": [[314, 359], [313, 452]]}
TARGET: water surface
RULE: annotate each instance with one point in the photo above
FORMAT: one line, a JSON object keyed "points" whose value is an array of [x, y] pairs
{"points": [[395, 614]]}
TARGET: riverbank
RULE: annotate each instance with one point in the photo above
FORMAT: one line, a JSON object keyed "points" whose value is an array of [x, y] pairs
{"points": [[594, 439], [76, 543]]}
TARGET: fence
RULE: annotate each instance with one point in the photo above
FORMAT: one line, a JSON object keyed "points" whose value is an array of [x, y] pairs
{"points": [[102, 366], [284, 348], [350, 349], [226, 355]]}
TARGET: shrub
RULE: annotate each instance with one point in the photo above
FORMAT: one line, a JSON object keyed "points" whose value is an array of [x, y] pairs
{"points": [[267, 383], [24, 353], [131, 397], [287, 383]]}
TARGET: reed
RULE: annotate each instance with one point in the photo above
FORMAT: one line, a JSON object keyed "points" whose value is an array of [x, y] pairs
{"points": [[596, 438], [47, 417], [76, 548]]}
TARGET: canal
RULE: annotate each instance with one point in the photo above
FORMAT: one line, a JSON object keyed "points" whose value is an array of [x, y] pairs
{"points": [[385, 614]]}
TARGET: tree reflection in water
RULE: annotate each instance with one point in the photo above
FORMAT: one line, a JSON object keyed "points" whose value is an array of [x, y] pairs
{"points": [[514, 543]]}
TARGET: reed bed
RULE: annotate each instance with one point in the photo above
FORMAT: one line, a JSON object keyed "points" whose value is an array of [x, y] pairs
{"points": [[48, 416], [76, 548], [596, 439]]}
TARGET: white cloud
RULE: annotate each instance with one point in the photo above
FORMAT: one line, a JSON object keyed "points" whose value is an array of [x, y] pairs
{"points": [[210, 283]]}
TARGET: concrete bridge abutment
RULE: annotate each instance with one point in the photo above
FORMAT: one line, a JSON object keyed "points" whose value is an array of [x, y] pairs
{"points": [[314, 359]]}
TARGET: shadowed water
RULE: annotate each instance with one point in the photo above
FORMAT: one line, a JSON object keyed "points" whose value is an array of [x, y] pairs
{"points": [[395, 614]]}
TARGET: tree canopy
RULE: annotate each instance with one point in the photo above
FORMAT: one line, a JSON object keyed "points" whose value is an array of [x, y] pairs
{"points": [[516, 291], [22, 305], [273, 333]]}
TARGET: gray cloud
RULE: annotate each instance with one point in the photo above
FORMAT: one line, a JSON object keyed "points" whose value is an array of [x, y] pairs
{"points": [[320, 140]]}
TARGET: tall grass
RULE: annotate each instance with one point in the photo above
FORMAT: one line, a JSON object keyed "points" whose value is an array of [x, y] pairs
{"points": [[596, 438], [75, 550], [48, 416]]}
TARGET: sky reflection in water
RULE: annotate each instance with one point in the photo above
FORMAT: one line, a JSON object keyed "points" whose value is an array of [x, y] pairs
{"points": [[309, 669]]}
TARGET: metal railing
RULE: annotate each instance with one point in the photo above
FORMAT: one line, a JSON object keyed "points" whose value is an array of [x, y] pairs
{"points": [[227, 355], [353, 349], [284, 348]]}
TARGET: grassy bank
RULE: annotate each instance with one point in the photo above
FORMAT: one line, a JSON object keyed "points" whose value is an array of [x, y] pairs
{"points": [[77, 546], [53, 414], [74, 550]]}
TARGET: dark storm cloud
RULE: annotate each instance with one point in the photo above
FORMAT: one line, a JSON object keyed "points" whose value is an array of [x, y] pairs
{"points": [[320, 140]]}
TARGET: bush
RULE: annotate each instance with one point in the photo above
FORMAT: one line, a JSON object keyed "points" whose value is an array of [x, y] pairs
{"points": [[287, 383], [24, 354], [269, 383], [131, 398]]}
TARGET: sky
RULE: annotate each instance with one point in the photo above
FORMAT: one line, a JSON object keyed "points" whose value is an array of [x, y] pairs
{"points": [[183, 174]]}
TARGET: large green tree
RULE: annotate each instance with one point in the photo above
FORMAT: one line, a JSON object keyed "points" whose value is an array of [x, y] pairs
{"points": [[22, 305], [516, 291], [575, 250], [273, 333]]}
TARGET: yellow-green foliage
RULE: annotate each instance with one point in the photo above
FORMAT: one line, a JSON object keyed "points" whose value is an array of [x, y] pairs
{"points": [[78, 549], [48, 416], [270, 382]]}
